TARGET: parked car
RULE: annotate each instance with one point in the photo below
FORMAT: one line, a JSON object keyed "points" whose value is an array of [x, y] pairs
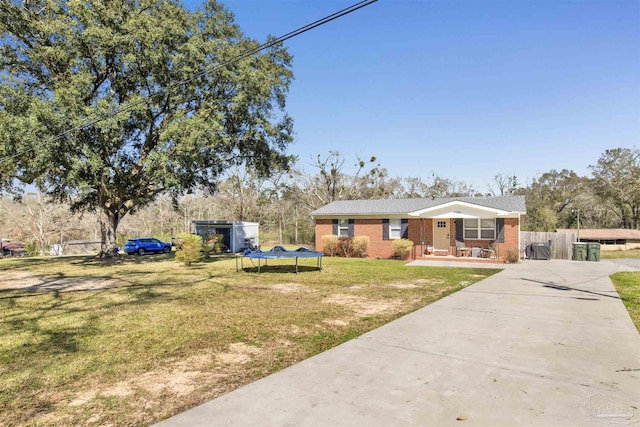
{"points": [[142, 245]]}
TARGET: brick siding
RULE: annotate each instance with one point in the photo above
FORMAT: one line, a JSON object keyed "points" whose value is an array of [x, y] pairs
{"points": [[418, 229]]}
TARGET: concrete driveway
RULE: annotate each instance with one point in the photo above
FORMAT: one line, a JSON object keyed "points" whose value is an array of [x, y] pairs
{"points": [[629, 262], [542, 343]]}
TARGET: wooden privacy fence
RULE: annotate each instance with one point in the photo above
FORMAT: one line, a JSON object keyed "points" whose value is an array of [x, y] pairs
{"points": [[561, 247]]}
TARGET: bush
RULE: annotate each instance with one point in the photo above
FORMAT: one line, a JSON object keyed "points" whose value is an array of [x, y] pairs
{"points": [[121, 239], [360, 246], [401, 248], [349, 247], [344, 247], [31, 248], [215, 240], [191, 249], [512, 256], [329, 244]]}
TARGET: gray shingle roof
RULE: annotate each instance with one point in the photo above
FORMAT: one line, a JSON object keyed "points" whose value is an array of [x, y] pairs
{"points": [[404, 206]]}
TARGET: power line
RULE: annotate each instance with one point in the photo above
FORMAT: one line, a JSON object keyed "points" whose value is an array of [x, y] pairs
{"points": [[237, 58]]}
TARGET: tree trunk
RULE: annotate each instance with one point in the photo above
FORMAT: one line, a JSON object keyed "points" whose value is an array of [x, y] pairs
{"points": [[108, 227], [296, 227], [625, 219]]}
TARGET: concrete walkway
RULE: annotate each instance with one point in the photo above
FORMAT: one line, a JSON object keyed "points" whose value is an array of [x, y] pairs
{"points": [[542, 343]]}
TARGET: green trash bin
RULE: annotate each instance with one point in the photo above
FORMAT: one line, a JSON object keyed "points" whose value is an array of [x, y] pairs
{"points": [[579, 251], [593, 251]]}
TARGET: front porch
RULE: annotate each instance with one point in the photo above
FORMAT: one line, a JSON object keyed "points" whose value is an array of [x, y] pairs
{"points": [[465, 232], [420, 252], [454, 258]]}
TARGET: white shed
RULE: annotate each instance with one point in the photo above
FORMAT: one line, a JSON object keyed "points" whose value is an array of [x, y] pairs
{"points": [[237, 235]]}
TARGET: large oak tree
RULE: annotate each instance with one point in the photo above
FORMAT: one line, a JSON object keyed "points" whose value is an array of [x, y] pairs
{"points": [[110, 104]]}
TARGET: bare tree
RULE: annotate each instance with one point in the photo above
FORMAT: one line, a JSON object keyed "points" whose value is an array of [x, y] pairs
{"points": [[503, 185], [34, 218]]}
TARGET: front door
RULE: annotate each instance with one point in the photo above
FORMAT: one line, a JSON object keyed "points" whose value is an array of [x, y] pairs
{"points": [[441, 234]]}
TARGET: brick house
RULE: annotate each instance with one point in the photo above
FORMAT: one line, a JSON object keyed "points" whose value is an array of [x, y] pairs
{"points": [[437, 226]]}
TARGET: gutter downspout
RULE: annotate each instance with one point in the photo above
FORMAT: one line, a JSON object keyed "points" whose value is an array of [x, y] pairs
{"points": [[519, 239]]}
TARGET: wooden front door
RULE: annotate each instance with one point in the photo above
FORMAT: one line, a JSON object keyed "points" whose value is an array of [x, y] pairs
{"points": [[441, 235]]}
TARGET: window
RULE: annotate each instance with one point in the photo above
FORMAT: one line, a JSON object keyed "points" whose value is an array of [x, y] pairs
{"points": [[343, 228], [395, 228], [484, 228], [441, 224]]}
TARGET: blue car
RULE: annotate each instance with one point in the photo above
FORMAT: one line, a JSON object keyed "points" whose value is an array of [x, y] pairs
{"points": [[142, 245]]}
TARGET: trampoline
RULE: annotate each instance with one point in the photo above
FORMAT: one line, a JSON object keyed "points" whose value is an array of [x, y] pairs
{"points": [[279, 252]]}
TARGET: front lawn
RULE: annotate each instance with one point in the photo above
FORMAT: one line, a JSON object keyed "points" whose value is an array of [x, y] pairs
{"points": [[627, 283], [133, 341], [631, 253]]}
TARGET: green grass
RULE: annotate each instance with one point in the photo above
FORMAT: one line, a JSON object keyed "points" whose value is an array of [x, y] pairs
{"points": [[631, 253], [627, 283], [167, 337]]}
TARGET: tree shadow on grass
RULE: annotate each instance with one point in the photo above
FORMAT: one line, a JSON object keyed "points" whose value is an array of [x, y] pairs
{"points": [[94, 261], [59, 283], [280, 269], [45, 318]]}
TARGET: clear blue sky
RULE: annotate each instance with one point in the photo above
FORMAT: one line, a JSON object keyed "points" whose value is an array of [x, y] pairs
{"points": [[464, 89]]}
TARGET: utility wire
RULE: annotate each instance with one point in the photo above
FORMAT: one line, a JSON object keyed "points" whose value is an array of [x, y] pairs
{"points": [[241, 56]]}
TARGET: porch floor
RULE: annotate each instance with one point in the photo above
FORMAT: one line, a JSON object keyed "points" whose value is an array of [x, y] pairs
{"points": [[458, 259]]}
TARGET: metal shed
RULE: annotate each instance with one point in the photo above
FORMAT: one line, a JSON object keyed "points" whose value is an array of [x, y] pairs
{"points": [[236, 235]]}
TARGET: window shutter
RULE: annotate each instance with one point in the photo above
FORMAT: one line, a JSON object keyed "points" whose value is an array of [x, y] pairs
{"points": [[500, 230], [334, 229], [351, 227], [459, 229], [404, 228], [385, 229]]}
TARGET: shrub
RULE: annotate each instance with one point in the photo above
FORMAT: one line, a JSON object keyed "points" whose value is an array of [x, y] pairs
{"points": [[329, 244], [216, 242], [512, 256], [31, 247], [360, 246], [401, 248], [191, 249], [344, 247], [349, 247], [121, 239]]}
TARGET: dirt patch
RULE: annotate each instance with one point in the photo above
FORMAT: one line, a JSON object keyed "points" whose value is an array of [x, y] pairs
{"points": [[179, 379], [401, 285], [239, 353], [361, 305], [336, 322], [290, 330], [288, 288], [30, 282], [429, 282]]}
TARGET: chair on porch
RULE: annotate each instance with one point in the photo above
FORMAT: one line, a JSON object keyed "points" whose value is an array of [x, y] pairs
{"points": [[462, 248], [491, 251]]}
